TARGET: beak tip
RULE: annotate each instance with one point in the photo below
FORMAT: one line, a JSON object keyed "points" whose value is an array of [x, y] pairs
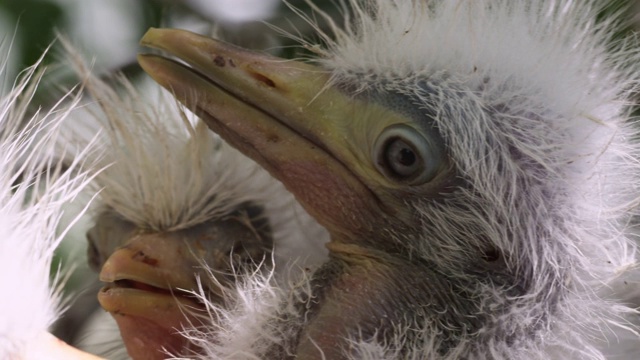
{"points": [[107, 274], [158, 68], [150, 36]]}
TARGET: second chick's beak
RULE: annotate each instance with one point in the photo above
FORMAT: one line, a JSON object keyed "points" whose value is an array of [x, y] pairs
{"points": [[151, 277]]}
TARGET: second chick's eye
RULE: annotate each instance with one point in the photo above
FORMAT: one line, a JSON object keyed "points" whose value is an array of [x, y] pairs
{"points": [[402, 154]]}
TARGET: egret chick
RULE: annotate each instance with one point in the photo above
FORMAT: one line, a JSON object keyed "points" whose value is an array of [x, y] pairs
{"points": [[180, 212], [474, 162]]}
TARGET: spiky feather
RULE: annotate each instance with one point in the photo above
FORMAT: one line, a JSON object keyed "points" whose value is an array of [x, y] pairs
{"points": [[33, 190]]}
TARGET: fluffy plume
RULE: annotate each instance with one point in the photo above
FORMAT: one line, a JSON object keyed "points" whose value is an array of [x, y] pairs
{"points": [[33, 189]]}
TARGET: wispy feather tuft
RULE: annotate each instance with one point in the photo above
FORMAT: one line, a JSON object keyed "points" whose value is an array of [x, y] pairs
{"points": [[34, 187]]}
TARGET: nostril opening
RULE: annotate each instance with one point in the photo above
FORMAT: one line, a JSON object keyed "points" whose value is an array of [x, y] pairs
{"points": [[263, 79], [491, 255]]}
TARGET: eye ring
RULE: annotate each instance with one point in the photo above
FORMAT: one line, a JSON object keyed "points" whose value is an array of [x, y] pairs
{"points": [[403, 154]]}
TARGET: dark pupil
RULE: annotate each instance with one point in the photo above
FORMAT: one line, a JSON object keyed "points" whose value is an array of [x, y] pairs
{"points": [[401, 158], [406, 157]]}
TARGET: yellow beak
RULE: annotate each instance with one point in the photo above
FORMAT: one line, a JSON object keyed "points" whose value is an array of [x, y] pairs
{"points": [[283, 114]]}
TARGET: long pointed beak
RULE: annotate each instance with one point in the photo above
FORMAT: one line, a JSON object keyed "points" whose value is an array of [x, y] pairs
{"points": [[283, 114]]}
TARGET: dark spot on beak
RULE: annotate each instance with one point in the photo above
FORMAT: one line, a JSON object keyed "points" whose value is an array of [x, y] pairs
{"points": [[142, 257], [263, 79], [273, 138], [219, 60]]}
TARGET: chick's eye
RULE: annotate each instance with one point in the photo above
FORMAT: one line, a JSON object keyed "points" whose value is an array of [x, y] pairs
{"points": [[403, 154]]}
